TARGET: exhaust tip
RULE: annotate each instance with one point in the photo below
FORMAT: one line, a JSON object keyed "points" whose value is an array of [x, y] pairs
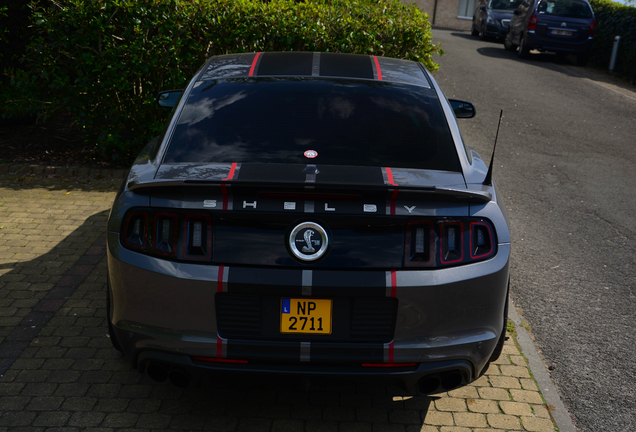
{"points": [[179, 378], [428, 384], [157, 372], [451, 380]]}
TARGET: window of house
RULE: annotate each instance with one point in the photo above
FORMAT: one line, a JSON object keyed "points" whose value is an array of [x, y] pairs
{"points": [[466, 8]]}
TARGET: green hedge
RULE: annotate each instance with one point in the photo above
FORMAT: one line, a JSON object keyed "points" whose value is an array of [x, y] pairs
{"points": [[614, 19], [104, 60]]}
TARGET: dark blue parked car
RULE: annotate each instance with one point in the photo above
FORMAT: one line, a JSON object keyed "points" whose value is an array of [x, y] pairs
{"points": [[560, 26], [492, 18]]}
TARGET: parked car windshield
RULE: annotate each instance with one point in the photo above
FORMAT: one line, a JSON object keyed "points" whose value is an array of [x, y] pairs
{"points": [[504, 4], [565, 8], [346, 122]]}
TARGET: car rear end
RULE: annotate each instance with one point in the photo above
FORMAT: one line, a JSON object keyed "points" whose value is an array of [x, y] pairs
{"points": [[566, 26], [310, 226]]}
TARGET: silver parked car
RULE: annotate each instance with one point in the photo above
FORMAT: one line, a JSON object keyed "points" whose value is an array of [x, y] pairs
{"points": [[315, 214]]}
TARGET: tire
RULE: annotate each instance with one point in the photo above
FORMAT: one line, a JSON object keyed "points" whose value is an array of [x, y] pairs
{"points": [[524, 51], [473, 31], [582, 59], [482, 32], [111, 329], [508, 45], [502, 338]]}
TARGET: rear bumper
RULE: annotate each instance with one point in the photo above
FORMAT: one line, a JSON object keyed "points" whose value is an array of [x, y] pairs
{"points": [[166, 312], [534, 41]]}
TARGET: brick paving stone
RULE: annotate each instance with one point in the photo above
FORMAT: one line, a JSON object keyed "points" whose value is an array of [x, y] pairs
{"points": [[321, 426], [540, 411], [493, 393], [51, 418], [454, 429], [465, 392], [515, 371], [450, 404], [423, 428], [526, 396], [505, 382], [388, 427], [86, 419], [47, 403], [287, 425], [439, 418], [405, 416], [537, 424], [355, 427], [516, 408], [482, 406], [504, 421], [372, 415], [529, 384], [471, 420]]}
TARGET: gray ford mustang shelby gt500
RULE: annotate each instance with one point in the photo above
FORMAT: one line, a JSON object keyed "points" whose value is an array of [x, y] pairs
{"points": [[310, 213]]}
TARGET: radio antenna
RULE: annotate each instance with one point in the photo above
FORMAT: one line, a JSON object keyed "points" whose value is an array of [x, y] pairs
{"points": [[488, 179]]}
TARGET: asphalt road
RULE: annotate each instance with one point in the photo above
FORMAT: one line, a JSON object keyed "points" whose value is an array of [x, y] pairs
{"points": [[566, 163]]}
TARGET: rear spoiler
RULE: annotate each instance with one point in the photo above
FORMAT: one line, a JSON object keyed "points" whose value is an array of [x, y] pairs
{"points": [[462, 195]]}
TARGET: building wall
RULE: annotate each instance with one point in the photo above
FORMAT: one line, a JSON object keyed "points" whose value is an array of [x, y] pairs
{"points": [[447, 12]]}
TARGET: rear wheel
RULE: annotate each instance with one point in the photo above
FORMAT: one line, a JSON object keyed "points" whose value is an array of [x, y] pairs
{"points": [[111, 330], [524, 51], [482, 33], [508, 43], [473, 30], [502, 338], [581, 59]]}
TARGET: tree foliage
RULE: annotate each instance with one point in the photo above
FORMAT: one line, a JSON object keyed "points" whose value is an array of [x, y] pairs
{"points": [[104, 60]]}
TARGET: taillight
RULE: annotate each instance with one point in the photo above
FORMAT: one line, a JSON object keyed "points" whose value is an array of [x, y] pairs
{"points": [[172, 235], [444, 242], [135, 229], [532, 22], [593, 28]]}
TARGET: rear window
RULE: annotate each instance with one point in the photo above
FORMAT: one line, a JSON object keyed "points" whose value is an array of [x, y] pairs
{"points": [[565, 8], [344, 122]]}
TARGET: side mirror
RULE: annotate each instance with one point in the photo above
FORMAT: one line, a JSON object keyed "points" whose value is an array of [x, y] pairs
{"points": [[462, 109], [168, 98]]}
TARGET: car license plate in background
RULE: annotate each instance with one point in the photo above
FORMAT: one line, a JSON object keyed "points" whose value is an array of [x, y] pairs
{"points": [[302, 315], [562, 32]]}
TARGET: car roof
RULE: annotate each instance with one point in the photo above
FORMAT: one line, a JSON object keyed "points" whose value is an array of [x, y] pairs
{"points": [[316, 65]]}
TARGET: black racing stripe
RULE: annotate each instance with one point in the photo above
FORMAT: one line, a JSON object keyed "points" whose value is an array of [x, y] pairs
{"points": [[346, 65], [364, 353], [349, 283], [296, 64], [265, 281], [335, 174], [264, 351], [273, 172]]}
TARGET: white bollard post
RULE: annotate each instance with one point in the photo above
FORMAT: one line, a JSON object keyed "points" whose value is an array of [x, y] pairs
{"points": [[612, 65]]}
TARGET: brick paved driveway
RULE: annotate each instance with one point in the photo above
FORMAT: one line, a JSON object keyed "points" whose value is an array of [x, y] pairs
{"points": [[59, 370]]}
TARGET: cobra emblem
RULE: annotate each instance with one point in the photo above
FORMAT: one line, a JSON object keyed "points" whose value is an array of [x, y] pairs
{"points": [[309, 248]]}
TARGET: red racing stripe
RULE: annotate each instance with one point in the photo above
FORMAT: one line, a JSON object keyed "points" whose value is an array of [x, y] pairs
{"points": [[377, 67], [393, 283], [254, 63], [224, 188], [219, 347], [219, 279], [389, 175]]}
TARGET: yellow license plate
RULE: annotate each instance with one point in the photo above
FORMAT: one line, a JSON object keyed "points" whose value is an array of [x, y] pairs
{"points": [[298, 315]]}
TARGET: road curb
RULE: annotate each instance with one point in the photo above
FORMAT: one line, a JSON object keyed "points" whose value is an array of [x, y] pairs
{"points": [[541, 375]]}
